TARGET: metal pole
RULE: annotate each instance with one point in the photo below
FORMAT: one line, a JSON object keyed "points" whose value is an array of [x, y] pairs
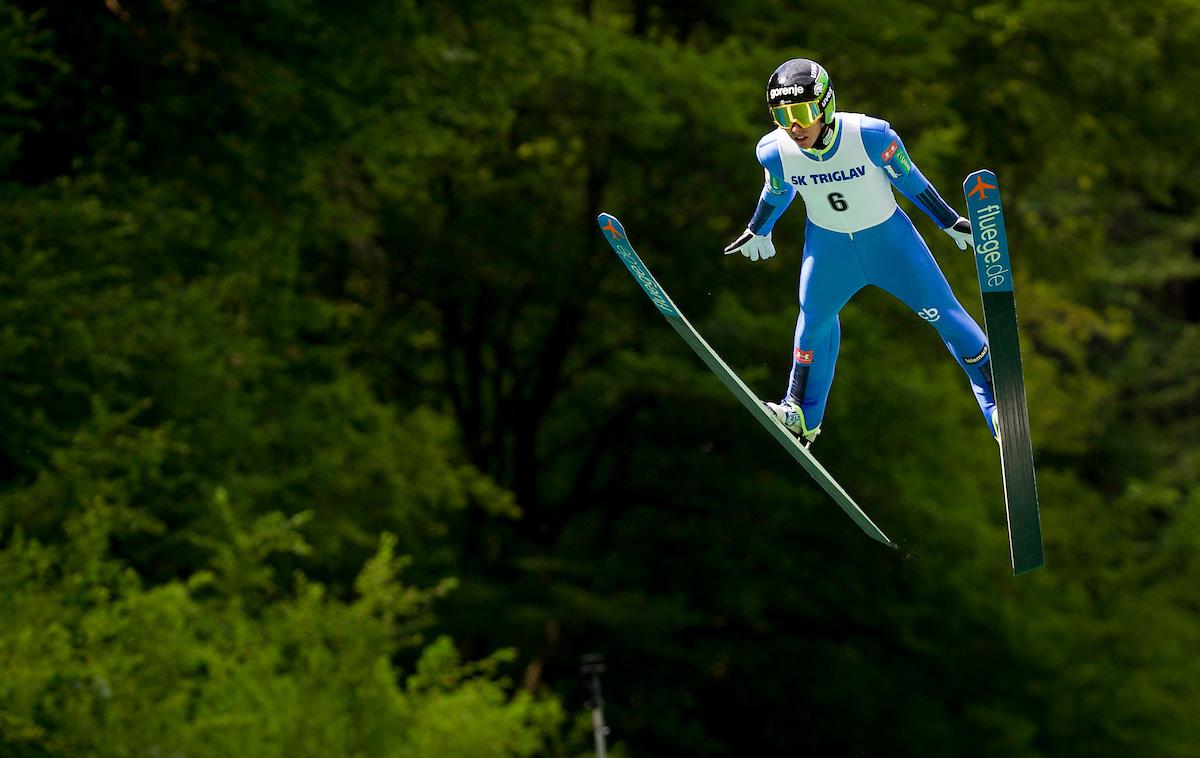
{"points": [[592, 666]]}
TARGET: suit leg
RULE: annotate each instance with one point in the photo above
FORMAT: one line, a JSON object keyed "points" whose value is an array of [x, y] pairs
{"points": [[829, 277], [900, 262]]}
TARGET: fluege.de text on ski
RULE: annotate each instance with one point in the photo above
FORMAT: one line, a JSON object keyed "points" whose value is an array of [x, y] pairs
{"points": [[989, 248]]}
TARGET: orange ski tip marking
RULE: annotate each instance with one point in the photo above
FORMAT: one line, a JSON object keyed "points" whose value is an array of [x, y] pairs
{"points": [[613, 229], [981, 187]]}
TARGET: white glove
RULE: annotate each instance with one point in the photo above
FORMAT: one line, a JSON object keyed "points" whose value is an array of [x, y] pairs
{"points": [[960, 232], [753, 246]]}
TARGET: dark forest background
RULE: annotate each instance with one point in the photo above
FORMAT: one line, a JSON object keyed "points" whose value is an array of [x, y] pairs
{"points": [[330, 425]]}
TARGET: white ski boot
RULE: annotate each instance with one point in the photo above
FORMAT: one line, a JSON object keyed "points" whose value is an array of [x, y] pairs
{"points": [[791, 416]]}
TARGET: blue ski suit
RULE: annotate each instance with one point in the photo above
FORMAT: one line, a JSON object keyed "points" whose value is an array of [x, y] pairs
{"points": [[856, 235]]}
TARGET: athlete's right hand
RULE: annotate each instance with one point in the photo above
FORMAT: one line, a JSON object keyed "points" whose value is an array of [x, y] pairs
{"points": [[753, 246]]}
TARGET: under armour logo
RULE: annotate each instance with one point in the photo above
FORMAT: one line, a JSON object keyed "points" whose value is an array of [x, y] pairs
{"points": [[929, 314]]}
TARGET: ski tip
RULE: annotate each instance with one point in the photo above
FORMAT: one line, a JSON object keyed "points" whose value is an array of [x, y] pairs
{"points": [[983, 175], [980, 186], [609, 223]]}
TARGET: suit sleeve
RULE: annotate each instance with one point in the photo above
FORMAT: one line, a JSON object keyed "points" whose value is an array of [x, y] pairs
{"points": [[777, 193], [887, 151]]}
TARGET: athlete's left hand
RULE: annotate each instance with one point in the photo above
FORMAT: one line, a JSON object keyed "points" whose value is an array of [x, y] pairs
{"points": [[961, 233]]}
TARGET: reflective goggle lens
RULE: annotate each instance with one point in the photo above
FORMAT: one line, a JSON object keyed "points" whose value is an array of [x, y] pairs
{"points": [[805, 114]]}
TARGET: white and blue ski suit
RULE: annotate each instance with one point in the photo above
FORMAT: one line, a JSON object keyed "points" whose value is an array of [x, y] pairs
{"points": [[856, 235]]}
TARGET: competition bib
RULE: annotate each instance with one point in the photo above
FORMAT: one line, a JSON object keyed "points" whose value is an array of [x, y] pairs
{"points": [[847, 192]]}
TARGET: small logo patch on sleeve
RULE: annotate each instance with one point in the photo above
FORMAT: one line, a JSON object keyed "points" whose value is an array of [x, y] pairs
{"points": [[775, 185], [804, 357], [978, 356], [891, 150]]}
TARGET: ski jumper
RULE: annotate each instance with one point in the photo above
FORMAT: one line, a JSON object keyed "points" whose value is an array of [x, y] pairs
{"points": [[856, 235]]}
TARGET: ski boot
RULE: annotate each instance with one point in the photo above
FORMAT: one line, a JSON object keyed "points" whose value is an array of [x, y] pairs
{"points": [[791, 416]]}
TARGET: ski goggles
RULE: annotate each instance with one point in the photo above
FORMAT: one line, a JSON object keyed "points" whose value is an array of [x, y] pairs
{"points": [[805, 114]]}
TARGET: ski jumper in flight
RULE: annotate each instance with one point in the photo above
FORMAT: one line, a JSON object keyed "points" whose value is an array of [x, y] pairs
{"points": [[844, 166]]}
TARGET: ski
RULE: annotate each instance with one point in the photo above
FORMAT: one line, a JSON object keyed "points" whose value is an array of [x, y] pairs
{"points": [[1008, 383], [616, 236]]}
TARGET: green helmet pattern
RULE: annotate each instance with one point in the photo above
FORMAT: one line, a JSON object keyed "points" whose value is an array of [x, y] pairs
{"points": [[801, 80]]}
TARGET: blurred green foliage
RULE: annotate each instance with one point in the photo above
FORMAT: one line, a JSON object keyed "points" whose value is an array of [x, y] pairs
{"points": [[97, 663], [294, 296]]}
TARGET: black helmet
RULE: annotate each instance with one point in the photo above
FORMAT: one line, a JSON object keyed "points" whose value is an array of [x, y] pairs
{"points": [[800, 92]]}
